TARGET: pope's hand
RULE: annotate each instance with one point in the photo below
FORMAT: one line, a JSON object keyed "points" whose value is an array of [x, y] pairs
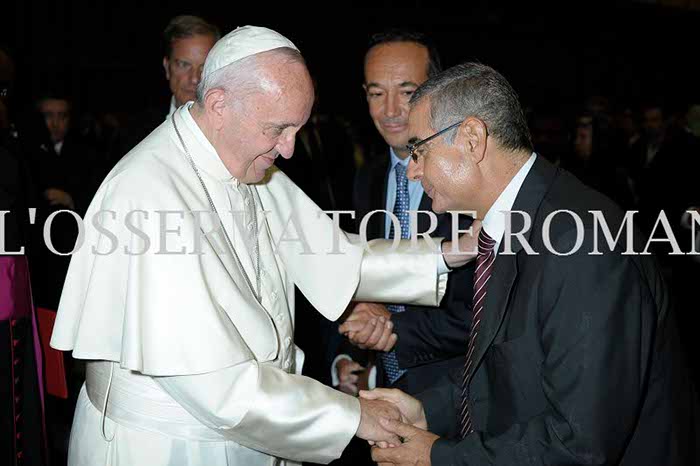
{"points": [[369, 326], [466, 248], [370, 428], [411, 409]]}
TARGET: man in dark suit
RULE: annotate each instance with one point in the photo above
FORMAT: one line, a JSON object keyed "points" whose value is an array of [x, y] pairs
{"points": [[573, 356], [186, 43], [60, 165], [396, 63]]}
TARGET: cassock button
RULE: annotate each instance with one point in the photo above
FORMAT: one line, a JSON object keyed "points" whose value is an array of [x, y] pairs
{"points": [[250, 226], [246, 201], [273, 296]]}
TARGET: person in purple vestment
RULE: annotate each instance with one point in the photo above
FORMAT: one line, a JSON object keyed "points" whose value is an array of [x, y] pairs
{"points": [[22, 431]]}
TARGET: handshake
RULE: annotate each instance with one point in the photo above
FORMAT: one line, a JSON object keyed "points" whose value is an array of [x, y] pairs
{"points": [[366, 326], [394, 423]]}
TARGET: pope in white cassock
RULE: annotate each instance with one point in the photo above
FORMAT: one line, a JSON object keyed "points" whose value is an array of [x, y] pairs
{"points": [[181, 298]]}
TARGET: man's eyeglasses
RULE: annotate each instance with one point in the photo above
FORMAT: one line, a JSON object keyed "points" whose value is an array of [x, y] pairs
{"points": [[412, 147]]}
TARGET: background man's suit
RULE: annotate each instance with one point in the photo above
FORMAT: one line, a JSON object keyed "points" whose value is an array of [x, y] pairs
{"points": [[577, 356]]}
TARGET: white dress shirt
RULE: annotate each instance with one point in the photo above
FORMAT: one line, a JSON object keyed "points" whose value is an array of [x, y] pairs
{"points": [[494, 222]]}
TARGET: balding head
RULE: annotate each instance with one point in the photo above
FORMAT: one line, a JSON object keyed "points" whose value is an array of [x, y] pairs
{"points": [[254, 74]]}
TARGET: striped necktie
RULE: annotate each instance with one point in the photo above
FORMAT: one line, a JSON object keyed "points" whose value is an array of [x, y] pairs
{"points": [[484, 265]]}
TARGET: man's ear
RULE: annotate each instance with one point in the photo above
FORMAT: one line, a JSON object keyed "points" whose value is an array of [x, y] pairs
{"points": [[215, 106], [166, 67], [471, 137]]}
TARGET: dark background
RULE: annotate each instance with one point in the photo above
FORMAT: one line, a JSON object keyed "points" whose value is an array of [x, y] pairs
{"points": [[108, 54]]}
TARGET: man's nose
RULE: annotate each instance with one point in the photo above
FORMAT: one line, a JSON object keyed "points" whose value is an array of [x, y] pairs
{"points": [[286, 147], [415, 170], [393, 106], [195, 75]]}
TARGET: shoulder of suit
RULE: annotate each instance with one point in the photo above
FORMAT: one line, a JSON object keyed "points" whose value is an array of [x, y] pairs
{"points": [[378, 163]]}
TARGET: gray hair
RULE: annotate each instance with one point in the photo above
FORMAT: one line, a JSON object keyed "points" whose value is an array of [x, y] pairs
{"points": [[246, 76], [476, 90], [184, 26]]}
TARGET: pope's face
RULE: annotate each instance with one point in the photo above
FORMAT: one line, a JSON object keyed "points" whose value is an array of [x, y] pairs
{"points": [[268, 124], [183, 68]]}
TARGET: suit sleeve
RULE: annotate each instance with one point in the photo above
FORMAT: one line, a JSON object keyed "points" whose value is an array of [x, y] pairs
{"points": [[439, 403], [269, 410], [597, 318], [427, 335]]}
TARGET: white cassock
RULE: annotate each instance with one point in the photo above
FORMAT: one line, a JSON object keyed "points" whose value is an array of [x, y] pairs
{"points": [[194, 369]]}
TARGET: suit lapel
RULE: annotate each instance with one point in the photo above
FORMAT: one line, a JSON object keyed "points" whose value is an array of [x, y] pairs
{"points": [[426, 204], [505, 269], [382, 200], [379, 177]]}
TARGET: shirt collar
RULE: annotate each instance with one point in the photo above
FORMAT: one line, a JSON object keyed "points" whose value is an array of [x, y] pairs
{"points": [[172, 108], [495, 221], [201, 150]]}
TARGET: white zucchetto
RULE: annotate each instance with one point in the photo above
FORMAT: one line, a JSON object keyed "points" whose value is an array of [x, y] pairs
{"points": [[241, 43]]}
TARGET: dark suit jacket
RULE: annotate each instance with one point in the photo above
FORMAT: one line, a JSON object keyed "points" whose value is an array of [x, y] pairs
{"points": [[576, 360], [431, 341], [71, 171]]}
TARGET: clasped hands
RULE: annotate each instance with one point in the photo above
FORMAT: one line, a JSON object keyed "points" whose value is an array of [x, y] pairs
{"points": [[401, 438], [393, 422], [369, 326]]}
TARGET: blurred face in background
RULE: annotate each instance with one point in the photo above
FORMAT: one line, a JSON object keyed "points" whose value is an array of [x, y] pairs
{"points": [[393, 71], [183, 68], [56, 114], [583, 138]]}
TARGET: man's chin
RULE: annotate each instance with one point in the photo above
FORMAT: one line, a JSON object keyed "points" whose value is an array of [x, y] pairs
{"points": [[437, 206], [184, 98], [395, 141]]}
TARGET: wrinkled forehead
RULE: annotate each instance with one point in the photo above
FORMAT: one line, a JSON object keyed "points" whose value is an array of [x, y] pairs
{"points": [[283, 105]]}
